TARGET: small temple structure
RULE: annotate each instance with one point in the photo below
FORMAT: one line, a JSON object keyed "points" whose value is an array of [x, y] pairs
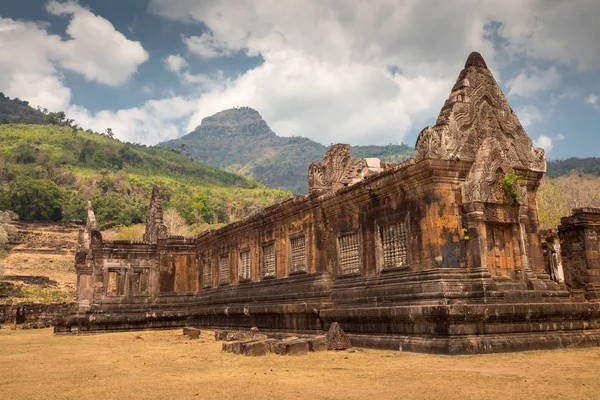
{"points": [[438, 254]]}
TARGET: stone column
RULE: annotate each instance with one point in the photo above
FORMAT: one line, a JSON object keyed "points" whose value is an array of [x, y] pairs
{"points": [[580, 237]]}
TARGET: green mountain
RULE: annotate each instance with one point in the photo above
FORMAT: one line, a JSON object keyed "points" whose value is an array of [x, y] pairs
{"points": [[48, 172], [240, 141]]}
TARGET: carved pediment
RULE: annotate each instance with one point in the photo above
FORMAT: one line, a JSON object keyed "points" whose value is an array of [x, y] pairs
{"points": [[491, 166], [475, 111], [338, 169]]}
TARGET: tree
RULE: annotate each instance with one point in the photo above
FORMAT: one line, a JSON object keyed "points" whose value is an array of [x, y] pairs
{"points": [[109, 132], [99, 159], [55, 118], [111, 210], [174, 222], [35, 199], [557, 197], [73, 207]]}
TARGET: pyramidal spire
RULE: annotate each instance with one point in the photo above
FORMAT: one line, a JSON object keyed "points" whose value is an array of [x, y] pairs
{"points": [[475, 112], [475, 60]]}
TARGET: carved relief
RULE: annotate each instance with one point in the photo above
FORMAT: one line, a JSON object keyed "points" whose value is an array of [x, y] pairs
{"points": [[338, 169], [475, 111], [155, 229], [484, 180]]}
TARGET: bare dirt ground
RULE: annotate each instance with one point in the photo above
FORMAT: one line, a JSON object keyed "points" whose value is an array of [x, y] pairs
{"points": [[35, 364], [44, 249]]}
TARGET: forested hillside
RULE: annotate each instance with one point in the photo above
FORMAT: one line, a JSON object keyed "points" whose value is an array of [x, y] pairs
{"points": [[13, 111], [47, 172], [240, 141], [590, 166]]}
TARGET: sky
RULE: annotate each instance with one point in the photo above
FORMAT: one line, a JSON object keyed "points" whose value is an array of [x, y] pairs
{"points": [[336, 71]]}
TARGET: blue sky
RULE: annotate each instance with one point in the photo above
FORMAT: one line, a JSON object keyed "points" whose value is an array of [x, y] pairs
{"points": [[354, 71]]}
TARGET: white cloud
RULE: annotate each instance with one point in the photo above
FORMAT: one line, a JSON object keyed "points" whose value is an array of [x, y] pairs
{"points": [[178, 65], [593, 101], [532, 81], [155, 121], [207, 46], [378, 107], [528, 115], [331, 82], [561, 31], [175, 63], [27, 67], [545, 142], [325, 65], [96, 50], [32, 60]]}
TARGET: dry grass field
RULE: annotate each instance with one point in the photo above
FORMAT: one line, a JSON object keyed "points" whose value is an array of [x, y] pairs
{"points": [[35, 364]]}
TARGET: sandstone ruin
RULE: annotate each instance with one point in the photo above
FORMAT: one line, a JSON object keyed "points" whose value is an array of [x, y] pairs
{"points": [[438, 254]]}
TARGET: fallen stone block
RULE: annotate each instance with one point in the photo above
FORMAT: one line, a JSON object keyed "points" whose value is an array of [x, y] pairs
{"points": [[253, 348], [238, 335], [221, 335], [318, 343], [337, 338], [192, 333], [253, 331], [270, 345], [232, 347], [292, 347], [259, 336]]}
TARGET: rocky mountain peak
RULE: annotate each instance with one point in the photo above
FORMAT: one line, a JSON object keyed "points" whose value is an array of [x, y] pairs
{"points": [[237, 121]]}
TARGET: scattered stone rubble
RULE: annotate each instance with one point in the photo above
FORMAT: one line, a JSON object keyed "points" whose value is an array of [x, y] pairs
{"points": [[254, 343]]}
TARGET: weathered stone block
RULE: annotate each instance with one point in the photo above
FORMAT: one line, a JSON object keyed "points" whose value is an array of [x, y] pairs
{"points": [[292, 347], [221, 335], [337, 338], [193, 333], [270, 345], [238, 335], [318, 343], [232, 347], [253, 348], [260, 336]]}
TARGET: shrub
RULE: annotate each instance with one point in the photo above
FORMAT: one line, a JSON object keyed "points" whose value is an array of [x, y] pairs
{"points": [[35, 199]]}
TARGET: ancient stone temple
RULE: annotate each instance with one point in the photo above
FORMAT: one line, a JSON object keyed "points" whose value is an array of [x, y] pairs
{"points": [[438, 254]]}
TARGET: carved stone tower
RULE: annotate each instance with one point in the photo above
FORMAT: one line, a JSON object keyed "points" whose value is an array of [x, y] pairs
{"points": [[499, 210], [155, 229]]}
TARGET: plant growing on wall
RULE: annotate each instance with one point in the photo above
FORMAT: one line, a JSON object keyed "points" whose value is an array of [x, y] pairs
{"points": [[509, 185]]}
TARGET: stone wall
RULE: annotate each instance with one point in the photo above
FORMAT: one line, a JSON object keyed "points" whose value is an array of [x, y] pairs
{"points": [[32, 312]]}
